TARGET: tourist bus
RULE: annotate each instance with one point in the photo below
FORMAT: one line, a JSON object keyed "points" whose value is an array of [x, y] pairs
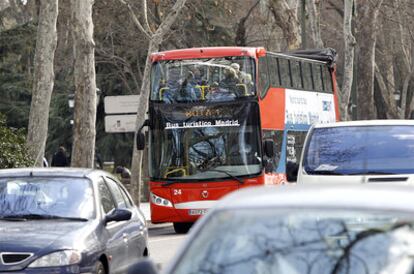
{"points": [[224, 118]]}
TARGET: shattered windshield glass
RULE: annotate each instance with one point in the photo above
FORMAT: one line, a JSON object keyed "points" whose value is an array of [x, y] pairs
{"points": [[312, 242]]}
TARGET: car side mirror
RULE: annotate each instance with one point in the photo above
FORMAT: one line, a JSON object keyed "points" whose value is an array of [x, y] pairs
{"points": [[140, 138], [292, 170], [118, 215], [269, 148]]}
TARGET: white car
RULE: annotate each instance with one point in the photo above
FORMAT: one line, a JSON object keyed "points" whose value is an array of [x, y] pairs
{"points": [[376, 151], [295, 229]]}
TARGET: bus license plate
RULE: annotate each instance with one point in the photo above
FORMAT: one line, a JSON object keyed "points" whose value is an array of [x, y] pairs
{"points": [[197, 211]]}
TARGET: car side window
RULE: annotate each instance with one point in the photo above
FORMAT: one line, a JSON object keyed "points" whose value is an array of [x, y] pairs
{"points": [[105, 197], [127, 199], [116, 191]]}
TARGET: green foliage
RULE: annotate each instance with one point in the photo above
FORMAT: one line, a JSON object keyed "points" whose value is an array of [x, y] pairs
{"points": [[16, 66], [13, 150]]}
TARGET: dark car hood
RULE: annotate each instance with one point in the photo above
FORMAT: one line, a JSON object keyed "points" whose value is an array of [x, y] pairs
{"points": [[40, 237], [33, 236]]}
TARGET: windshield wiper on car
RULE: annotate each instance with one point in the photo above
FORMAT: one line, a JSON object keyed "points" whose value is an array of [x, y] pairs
{"points": [[373, 172], [324, 172], [12, 218], [32, 216]]}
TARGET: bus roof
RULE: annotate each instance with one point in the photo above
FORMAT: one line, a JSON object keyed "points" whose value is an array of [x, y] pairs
{"points": [[206, 52], [326, 55]]}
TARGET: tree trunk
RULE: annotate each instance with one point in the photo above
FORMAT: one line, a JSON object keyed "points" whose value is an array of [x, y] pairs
{"points": [[312, 7], [43, 80], [406, 50], [404, 95], [286, 18], [384, 63], [366, 21], [137, 155], [387, 102], [83, 149], [349, 50], [155, 41]]}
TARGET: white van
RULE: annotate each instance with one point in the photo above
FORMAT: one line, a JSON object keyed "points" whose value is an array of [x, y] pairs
{"points": [[376, 151]]}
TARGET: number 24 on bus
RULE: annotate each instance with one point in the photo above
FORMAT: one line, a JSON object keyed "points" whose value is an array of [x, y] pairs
{"points": [[226, 118]]}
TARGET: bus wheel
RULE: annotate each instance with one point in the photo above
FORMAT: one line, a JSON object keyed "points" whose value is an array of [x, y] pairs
{"points": [[182, 228]]}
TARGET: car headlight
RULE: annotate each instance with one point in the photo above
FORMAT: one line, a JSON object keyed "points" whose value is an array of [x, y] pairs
{"points": [[59, 258], [160, 201]]}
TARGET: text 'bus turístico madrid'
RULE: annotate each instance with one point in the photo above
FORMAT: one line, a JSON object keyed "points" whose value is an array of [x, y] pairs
{"points": [[224, 118]]}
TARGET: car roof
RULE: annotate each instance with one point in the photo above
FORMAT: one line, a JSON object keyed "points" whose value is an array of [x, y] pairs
{"points": [[49, 172], [367, 123], [335, 196]]}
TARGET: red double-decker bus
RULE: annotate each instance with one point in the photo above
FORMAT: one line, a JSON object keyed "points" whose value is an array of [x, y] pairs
{"points": [[225, 118]]}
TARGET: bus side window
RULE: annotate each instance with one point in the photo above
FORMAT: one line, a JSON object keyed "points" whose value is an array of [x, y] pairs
{"points": [[276, 136], [307, 76], [327, 80], [263, 84], [317, 77], [294, 145], [274, 71], [296, 74], [284, 73]]}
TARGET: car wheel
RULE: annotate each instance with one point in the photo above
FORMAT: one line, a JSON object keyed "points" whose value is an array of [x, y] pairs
{"points": [[100, 269], [182, 228]]}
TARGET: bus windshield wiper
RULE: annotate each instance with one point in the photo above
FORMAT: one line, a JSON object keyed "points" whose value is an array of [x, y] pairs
{"points": [[168, 183], [32, 216], [213, 163], [227, 173]]}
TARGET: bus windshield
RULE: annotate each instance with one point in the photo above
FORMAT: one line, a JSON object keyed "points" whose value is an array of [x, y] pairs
{"points": [[201, 143], [213, 79]]}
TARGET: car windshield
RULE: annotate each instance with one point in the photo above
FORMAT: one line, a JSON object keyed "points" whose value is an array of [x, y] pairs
{"points": [[35, 197], [360, 150], [213, 80], [204, 142], [301, 242]]}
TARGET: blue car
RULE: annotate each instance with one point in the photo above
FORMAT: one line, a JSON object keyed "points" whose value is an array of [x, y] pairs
{"points": [[68, 221]]}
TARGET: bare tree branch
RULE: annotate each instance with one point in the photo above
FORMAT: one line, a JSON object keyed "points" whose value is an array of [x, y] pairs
{"points": [[146, 17], [135, 19]]}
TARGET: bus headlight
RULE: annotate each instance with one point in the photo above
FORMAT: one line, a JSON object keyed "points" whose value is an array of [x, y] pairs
{"points": [[160, 201]]}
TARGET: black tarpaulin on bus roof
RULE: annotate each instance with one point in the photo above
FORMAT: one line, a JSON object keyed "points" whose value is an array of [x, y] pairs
{"points": [[324, 55]]}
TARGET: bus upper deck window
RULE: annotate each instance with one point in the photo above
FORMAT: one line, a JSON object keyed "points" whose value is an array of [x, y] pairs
{"points": [[307, 76], [296, 74], [284, 72], [317, 77]]}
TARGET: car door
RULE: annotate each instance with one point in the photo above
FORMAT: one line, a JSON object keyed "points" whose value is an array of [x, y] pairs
{"points": [[138, 243], [132, 230], [116, 246]]}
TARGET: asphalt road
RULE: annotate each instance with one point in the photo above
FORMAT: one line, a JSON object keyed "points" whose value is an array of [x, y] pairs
{"points": [[163, 243]]}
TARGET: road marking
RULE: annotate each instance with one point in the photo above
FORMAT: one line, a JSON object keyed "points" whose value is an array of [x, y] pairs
{"points": [[167, 239]]}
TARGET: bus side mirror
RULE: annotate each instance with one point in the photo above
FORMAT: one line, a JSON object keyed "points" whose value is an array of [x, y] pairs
{"points": [[292, 170], [140, 138], [269, 148]]}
